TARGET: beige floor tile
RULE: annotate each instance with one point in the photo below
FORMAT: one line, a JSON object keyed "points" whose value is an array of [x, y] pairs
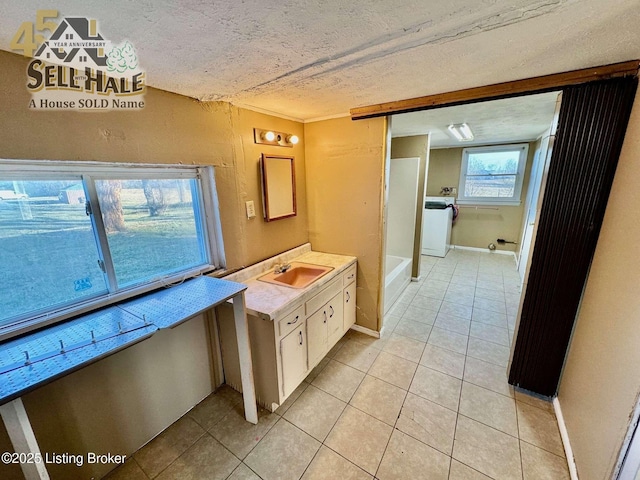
{"points": [[491, 305], [437, 387], [428, 422], [315, 412], [328, 465], [393, 369], [360, 438], [435, 293], [463, 280], [390, 322], [431, 284], [416, 330], [440, 276], [205, 459], [490, 333], [357, 355], [490, 293], [488, 352], [456, 310], [243, 473], [317, 369], [130, 470], [489, 317], [339, 380], [538, 464], [442, 360], [487, 450], [379, 399], [460, 471], [365, 339], [404, 347], [487, 375], [453, 324], [530, 399], [427, 303], [336, 348], [453, 341], [282, 409], [240, 436], [406, 458], [283, 454], [540, 428], [210, 410], [422, 315], [489, 407], [454, 297], [398, 308], [156, 455]]}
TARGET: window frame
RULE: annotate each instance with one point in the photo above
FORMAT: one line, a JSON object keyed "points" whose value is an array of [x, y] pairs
{"points": [[206, 213], [516, 198]]}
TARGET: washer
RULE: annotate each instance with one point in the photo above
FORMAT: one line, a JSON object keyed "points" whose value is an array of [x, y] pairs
{"points": [[436, 225]]}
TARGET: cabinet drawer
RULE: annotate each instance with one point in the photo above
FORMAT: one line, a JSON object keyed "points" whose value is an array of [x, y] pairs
{"points": [[350, 274], [291, 321], [323, 297]]}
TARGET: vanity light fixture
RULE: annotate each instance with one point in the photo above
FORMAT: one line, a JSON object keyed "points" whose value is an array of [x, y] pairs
{"points": [[461, 131], [271, 137]]}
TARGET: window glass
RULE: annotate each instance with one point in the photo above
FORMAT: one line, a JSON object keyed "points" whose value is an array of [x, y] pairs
{"points": [[492, 174], [76, 236], [152, 226], [48, 251]]}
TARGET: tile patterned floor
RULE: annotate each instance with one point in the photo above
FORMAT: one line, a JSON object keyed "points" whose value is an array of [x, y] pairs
{"points": [[428, 400]]}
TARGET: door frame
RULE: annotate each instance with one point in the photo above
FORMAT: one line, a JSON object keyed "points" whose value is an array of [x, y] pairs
{"points": [[525, 370]]}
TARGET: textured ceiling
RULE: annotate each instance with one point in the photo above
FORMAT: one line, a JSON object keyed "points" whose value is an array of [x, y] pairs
{"points": [[510, 120], [309, 59]]}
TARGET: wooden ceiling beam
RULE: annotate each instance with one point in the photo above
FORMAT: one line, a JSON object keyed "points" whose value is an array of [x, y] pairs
{"points": [[499, 90]]}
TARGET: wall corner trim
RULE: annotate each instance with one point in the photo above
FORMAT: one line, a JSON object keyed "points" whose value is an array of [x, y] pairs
{"points": [[366, 331], [564, 434]]}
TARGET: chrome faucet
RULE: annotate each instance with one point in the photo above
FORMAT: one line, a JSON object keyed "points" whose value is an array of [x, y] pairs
{"points": [[282, 267]]}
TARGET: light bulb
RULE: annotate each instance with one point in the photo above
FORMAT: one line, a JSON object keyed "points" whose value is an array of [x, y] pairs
{"points": [[269, 136], [293, 139]]}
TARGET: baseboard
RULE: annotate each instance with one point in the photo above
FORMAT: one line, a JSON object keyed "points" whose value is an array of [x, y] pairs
{"points": [[564, 434], [366, 331], [484, 250]]}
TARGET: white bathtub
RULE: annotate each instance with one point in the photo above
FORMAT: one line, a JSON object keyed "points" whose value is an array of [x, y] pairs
{"points": [[397, 277]]}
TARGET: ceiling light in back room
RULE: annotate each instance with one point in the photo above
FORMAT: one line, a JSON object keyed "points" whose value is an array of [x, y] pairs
{"points": [[461, 131]]}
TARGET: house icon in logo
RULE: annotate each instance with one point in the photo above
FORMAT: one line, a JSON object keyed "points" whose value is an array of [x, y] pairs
{"points": [[75, 40]]}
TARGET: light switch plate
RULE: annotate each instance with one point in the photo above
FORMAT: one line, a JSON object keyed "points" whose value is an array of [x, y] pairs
{"points": [[251, 209]]}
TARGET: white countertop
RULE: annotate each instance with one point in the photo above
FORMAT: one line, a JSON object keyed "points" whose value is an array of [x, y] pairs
{"points": [[269, 301]]}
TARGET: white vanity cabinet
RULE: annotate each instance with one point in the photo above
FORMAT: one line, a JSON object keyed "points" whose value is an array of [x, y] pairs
{"points": [[286, 348]]}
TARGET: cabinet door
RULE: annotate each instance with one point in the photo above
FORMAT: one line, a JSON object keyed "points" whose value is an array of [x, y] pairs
{"points": [[349, 306], [293, 350], [335, 322], [317, 333]]}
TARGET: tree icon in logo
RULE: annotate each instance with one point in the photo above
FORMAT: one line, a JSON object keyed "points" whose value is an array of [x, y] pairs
{"points": [[121, 58]]}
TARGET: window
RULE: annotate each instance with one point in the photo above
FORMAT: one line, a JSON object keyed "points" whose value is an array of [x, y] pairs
{"points": [[77, 236], [492, 174]]}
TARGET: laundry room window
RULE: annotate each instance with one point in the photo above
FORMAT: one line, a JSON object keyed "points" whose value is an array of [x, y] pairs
{"points": [[492, 175], [79, 236]]}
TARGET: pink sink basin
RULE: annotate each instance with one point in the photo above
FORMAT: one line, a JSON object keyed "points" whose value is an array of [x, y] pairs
{"points": [[299, 275]]}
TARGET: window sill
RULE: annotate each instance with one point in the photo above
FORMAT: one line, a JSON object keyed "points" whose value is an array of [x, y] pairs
{"points": [[485, 203]]}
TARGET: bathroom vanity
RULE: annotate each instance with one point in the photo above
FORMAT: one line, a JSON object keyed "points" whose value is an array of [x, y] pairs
{"points": [[291, 328]]}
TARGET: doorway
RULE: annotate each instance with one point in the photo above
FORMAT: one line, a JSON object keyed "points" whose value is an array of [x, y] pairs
{"points": [[592, 126]]}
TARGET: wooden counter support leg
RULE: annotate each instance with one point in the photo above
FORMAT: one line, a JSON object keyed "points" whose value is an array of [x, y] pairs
{"points": [[23, 439], [244, 353]]}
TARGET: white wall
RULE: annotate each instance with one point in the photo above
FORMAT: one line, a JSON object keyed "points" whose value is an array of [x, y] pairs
{"points": [[401, 208]]}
